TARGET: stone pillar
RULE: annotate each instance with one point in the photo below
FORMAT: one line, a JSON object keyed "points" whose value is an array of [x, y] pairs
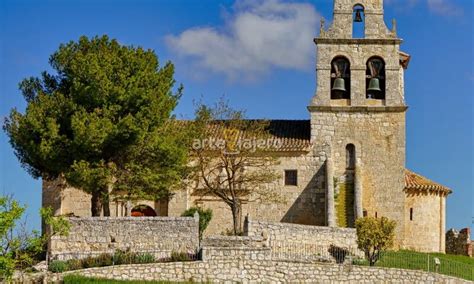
{"points": [[330, 210], [358, 209], [129, 208], [442, 223]]}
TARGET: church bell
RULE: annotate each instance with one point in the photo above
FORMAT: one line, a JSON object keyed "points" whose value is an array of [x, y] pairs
{"points": [[358, 16], [339, 85], [374, 85]]}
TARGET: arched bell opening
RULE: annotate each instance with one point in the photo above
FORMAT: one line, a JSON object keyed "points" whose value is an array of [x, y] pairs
{"points": [[358, 24], [340, 78], [143, 210], [375, 78]]}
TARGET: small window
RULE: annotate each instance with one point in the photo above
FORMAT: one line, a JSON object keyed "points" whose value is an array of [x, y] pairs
{"points": [[291, 177], [411, 214], [376, 215], [364, 213], [350, 157]]}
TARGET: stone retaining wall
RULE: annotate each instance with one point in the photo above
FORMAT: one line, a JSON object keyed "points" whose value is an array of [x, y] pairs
{"points": [[287, 233], [245, 271], [156, 235]]}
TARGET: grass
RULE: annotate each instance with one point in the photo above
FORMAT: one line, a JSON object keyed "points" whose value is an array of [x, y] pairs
{"points": [[77, 279], [345, 205], [452, 265]]}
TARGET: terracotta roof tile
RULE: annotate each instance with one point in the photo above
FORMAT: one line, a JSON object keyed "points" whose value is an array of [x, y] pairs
{"points": [[289, 135], [414, 181]]}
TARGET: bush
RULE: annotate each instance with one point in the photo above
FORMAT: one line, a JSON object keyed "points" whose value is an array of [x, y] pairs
{"points": [[180, 256], [74, 264], [123, 257], [144, 258], [205, 216], [58, 266], [374, 236]]}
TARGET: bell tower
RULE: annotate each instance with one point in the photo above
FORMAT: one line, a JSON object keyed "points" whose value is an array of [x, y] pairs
{"points": [[358, 112]]}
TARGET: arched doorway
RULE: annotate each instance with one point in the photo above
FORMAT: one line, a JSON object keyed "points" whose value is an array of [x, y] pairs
{"points": [[143, 210]]}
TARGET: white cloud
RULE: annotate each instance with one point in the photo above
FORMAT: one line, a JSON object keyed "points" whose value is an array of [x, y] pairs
{"points": [[256, 37], [441, 7], [444, 7]]}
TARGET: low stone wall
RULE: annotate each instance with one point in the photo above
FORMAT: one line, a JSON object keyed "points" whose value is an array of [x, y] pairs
{"points": [[235, 247], [287, 236], [156, 235], [459, 242], [258, 271]]}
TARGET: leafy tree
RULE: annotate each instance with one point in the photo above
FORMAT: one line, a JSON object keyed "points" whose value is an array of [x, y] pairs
{"points": [[205, 216], [19, 248], [102, 122], [374, 236], [10, 212], [231, 159]]}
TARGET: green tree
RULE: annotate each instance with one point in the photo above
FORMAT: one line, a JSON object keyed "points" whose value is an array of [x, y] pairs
{"points": [[374, 236], [205, 216], [20, 248], [10, 212], [102, 122], [231, 159]]}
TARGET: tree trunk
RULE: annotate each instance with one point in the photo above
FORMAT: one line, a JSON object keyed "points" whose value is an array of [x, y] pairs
{"points": [[237, 217], [106, 205], [96, 205]]}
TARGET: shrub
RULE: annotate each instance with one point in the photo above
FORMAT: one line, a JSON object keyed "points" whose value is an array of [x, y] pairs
{"points": [[180, 256], [58, 266], [205, 216], [374, 236], [74, 264], [123, 257], [144, 258]]}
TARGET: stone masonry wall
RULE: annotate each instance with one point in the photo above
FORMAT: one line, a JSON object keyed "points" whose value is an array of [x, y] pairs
{"points": [[282, 237], [258, 271], [379, 140], [424, 231], [303, 203], [459, 242], [157, 235]]}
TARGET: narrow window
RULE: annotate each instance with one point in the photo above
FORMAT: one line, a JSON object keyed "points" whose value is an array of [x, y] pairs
{"points": [[291, 177], [376, 215], [358, 26], [340, 78], [350, 157], [375, 79], [411, 214]]}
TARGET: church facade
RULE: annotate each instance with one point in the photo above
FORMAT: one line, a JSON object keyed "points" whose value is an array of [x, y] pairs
{"points": [[347, 161]]}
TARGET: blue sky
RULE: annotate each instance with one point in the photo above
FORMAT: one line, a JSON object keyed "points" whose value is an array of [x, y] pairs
{"points": [[261, 56]]}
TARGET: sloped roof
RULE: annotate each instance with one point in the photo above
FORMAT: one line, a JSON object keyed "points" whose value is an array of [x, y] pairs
{"points": [[295, 136], [404, 59], [289, 135], [414, 181]]}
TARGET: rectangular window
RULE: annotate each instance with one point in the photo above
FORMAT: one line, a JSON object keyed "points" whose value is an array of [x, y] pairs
{"points": [[291, 177], [411, 214]]}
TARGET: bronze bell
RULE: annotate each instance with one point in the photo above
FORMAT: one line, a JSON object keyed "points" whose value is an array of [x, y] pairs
{"points": [[339, 85], [374, 85], [358, 16]]}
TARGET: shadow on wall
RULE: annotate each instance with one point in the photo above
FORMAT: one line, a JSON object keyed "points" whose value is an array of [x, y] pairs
{"points": [[309, 207]]}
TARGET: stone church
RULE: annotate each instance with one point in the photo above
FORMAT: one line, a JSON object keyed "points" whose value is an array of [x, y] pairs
{"points": [[347, 160]]}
